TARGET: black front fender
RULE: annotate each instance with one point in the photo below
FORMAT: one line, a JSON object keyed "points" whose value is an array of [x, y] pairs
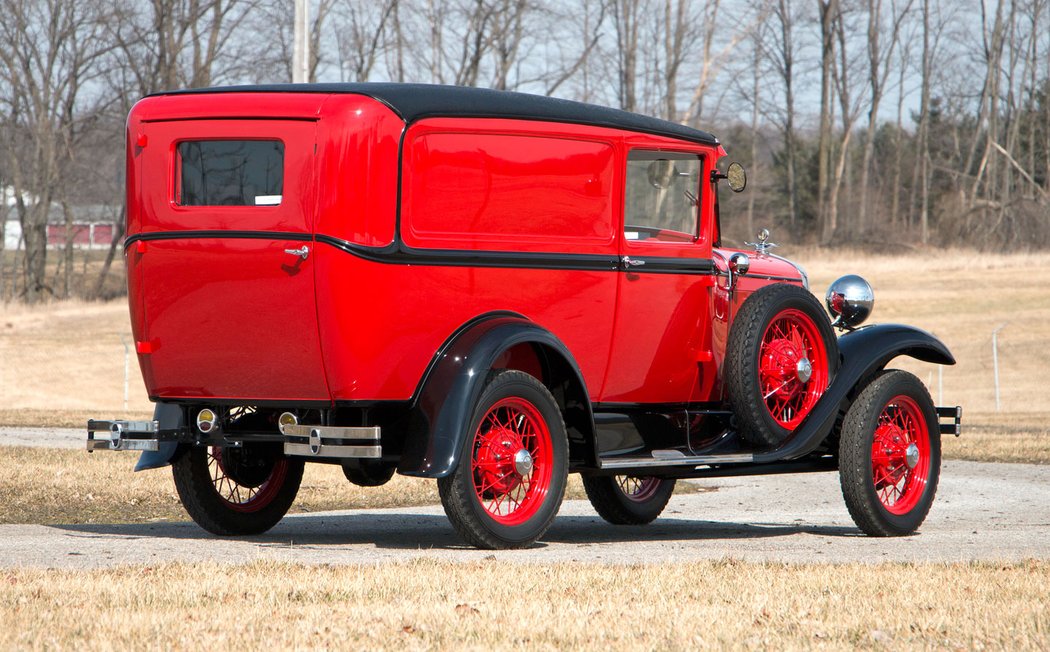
{"points": [[454, 383], [862, 352]]}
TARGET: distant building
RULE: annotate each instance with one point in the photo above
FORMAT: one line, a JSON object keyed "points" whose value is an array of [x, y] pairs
{"points": [[92, 226]]}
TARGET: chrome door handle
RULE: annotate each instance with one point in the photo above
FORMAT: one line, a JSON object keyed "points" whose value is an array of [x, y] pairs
{"points": [[302, 252], [631, 262]]}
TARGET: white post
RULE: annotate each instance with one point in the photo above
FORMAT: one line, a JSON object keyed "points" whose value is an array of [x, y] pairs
{"points": [[301, 43], [995, 362], [940, 384], [127, 367]]}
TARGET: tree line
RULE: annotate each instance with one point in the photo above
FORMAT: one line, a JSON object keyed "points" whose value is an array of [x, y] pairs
{"points": [[888, 123]]}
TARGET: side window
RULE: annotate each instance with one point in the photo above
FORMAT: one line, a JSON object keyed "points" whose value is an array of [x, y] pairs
{"points": [[229, 173], [662, 196]]}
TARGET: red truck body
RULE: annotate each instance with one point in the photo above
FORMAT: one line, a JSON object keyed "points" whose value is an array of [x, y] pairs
{"points": [[487, 288]]}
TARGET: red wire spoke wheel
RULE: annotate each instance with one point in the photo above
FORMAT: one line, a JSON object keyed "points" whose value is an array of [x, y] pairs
{"points": [[512, 461], [780, 359], [628, 499], [890, 455], [236, 491], [510, 478], [792, 368], [900, 453], [636, 489], [245, 490]]}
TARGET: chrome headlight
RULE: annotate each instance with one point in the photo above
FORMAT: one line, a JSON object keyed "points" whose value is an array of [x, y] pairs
{"points": [[850, 300]]}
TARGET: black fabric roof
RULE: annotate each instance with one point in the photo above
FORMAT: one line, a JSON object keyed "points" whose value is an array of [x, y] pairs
{"points": [[417, 101]]}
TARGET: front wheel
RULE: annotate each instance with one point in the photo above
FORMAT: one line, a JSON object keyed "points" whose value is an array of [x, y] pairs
{"points": [[890, 455], [628, 499], [233, 491], [511, 476]]}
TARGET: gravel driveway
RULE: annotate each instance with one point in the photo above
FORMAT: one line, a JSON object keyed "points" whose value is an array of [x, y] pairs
{"points": [[983, 511]]}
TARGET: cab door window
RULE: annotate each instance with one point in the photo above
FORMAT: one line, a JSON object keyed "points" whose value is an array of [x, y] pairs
{"points": [[662, 196]]}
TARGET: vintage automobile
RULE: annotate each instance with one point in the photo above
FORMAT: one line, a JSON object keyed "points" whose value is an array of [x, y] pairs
{"points": [[494, 290]]}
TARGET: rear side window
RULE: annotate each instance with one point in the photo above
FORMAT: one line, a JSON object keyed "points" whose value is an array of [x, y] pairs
{"points": [[229, 173], [662, 196]]}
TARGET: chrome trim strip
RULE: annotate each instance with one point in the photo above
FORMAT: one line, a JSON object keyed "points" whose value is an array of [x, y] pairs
{"points": [[332, 450], [371, 433], [802, 272], [667, 459]]}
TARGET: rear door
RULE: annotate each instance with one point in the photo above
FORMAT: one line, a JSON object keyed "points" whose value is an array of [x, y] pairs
{"points": [[223, 241]]}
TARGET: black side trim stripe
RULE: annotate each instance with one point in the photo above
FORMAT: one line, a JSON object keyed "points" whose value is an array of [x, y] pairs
{"points": [[238, 118], [226, 235], [399, 254], [669, 265], [402, 255]]}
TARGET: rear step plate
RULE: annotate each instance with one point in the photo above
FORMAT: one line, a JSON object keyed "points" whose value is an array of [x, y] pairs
{"points": [[332, 441]]}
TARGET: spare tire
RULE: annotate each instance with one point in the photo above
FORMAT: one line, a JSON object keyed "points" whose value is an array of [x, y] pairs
{"points": [[780, 358]]}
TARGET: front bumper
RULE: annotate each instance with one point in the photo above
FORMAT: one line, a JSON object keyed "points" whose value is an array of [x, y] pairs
{"points": [[950, 420]]}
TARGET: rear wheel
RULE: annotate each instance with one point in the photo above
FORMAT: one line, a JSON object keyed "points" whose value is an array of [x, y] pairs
{"points": [[890, 455], [628, 499], [236, 490], [780, 358], [509, 483]]}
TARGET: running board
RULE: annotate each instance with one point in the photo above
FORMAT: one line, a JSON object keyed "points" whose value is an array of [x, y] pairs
{"points": [[331, 441], [667, 458]]}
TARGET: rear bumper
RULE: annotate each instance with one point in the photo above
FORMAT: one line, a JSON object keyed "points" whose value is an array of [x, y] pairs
{"points": [[123, 435], [311, 441], [332, 441]]}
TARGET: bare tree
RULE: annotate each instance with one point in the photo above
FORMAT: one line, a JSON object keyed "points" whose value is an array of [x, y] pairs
{"points": [[54, 48], [829, 10], [362, 36], [880, 62], [778, 45], [625, 17]]}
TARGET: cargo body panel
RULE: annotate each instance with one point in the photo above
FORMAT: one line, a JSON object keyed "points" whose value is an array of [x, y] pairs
{"points": [[220, 232]]}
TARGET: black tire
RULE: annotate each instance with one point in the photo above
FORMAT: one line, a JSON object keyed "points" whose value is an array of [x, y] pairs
{"points": [[628, 500], [368, 472], [254, 490], [886, 495], [762, 376], [473, 493]]}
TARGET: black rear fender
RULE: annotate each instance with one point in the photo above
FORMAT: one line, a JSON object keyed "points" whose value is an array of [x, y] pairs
{"points": [[450, 389]]}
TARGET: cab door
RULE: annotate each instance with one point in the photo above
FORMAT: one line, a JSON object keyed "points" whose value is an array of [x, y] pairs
{"points": [[661, 332]]}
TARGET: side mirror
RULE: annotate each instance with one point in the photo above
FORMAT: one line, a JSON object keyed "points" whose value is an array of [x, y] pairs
{"points": [[737, 177]]}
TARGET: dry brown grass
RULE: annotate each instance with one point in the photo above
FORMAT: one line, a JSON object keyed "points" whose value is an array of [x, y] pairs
{"points": [[506, 605], [961, 297], [67, 358], [69, 486], [1023, 438]]}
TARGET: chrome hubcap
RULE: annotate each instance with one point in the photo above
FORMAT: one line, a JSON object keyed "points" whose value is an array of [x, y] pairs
{"points": [[804, 369], [523, 462], [911, 456]]}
